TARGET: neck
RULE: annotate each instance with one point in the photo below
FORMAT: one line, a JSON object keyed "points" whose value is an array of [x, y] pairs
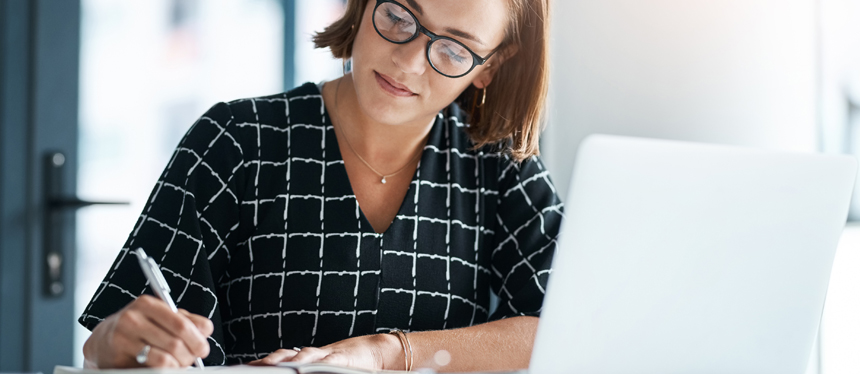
{"points": [[386, 146]]}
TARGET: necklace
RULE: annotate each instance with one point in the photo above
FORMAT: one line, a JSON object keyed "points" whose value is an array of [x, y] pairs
{"points": [[383, 176]]}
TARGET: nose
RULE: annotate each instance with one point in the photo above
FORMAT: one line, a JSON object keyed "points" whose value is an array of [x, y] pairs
{"points": [[410, 57]]}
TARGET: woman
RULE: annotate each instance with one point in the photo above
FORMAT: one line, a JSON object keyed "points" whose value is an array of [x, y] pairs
{"points": [[395, 197]]}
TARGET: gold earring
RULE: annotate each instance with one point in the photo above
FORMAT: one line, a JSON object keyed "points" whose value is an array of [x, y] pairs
{"points": [[483, 98]]}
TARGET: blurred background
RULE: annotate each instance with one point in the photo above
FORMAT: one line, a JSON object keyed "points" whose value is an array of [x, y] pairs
{"points": [[112, 86]]}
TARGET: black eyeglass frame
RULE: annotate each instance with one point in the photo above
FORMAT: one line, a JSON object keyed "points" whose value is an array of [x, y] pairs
{"points": [[420, 29]]}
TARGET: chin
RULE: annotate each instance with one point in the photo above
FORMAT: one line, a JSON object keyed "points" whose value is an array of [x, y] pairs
{"points": [[380, 106], [385, 113]]}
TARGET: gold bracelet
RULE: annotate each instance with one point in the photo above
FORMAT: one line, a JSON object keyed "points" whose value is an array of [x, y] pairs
{"points": [[397, 333], [411, 355], [408, 357]]}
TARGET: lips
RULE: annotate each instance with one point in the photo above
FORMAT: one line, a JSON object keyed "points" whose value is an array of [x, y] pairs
{"points": [[391, 86]]}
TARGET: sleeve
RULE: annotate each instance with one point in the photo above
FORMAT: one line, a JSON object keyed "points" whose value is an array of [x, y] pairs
{"points": [[189, 225], [528, 216]]}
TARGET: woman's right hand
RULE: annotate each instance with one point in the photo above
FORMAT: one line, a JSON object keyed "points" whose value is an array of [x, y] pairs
{"points": [[177, 339]]}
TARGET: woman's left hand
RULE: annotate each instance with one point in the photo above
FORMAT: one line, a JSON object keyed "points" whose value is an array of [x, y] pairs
{"points": [[374, 352]]}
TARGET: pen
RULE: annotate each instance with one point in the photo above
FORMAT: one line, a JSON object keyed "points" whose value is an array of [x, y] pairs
{"points": [[158, 284]]}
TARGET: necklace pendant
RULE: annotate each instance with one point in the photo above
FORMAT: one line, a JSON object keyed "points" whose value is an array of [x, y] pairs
{"points": [[383, 180]]}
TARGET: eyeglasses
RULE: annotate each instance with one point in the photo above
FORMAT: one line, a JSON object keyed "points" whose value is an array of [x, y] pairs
{"points": [[396, 24]]}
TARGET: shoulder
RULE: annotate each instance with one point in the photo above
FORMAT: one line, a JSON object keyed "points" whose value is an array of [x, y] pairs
{"points": [[301, 104], [528, 176], [455, 123], [495, 157], [256, 122]]}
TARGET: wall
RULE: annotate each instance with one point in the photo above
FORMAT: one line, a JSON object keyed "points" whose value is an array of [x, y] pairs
{"points": [[840, 85], [840, 80], [724, 71]]}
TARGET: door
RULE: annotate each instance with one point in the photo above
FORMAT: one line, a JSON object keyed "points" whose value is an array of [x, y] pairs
{"points": [[38, 132]]}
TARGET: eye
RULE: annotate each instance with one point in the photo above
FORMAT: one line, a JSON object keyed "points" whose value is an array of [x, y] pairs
{"points": [[391, 17], [457, 56], [452, 52], [401, 19]]}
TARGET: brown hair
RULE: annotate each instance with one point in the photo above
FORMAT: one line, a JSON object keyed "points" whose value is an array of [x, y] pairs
{"points": [[513, 114]]}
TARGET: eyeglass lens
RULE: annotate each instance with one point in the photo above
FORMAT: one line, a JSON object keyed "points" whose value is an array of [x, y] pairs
{"points": [[397, 25]]}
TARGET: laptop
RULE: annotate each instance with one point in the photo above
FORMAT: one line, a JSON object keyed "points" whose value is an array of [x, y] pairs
{"points": [[689, 258]]}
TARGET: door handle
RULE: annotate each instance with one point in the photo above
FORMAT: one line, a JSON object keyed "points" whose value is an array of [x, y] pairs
{"points": [[76, 203], [56, 205]]}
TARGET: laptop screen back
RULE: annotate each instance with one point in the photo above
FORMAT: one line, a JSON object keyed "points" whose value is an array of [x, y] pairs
{"points": [[689, 258]]}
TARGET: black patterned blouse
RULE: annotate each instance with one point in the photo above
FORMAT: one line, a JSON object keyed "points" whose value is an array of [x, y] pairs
{"points": [[255, 226]]}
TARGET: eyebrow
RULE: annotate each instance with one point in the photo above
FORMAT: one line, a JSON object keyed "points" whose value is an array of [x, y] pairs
{"points": [[415, 6], [455, 32], [464, 35]]}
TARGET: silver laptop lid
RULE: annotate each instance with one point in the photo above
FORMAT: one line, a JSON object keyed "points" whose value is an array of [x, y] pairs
{"points": [[689, 258]]}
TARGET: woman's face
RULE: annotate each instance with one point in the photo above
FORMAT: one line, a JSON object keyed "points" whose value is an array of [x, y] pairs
{"points": [[395, 83]]}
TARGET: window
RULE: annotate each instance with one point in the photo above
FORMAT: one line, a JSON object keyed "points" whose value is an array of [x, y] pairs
{"points": [[149, 69]]}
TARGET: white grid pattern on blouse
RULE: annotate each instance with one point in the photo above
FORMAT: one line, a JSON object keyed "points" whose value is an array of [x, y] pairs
{"points": [[175, 231], [539, 215], [322, 198], [255, 166]]}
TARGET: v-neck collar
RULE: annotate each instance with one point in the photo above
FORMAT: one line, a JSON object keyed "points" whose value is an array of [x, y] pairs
{"points": [[434, 138]]}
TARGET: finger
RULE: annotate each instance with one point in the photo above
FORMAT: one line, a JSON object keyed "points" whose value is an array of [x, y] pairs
{"points": [[203, 324], [176, 324], [157, 337], [158, 358], [135, 330], [184, 330], [309, 354], [257, 363], [125, 351], [336, 359], [276, 357]]}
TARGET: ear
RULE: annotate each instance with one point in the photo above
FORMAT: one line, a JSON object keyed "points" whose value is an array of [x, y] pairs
{"points": [[491, 67]]}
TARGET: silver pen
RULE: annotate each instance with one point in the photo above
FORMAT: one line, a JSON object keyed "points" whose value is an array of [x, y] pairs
{"points": [[158, 284]]}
